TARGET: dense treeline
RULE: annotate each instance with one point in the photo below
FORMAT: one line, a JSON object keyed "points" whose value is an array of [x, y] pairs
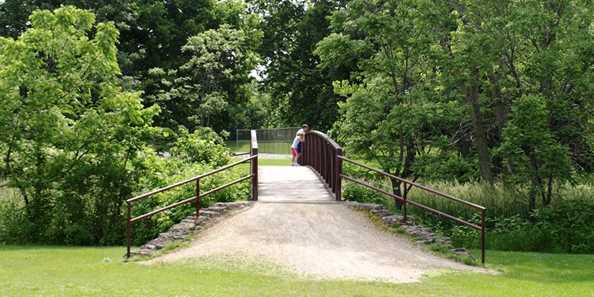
{"points": [[195, 85], [500, 92], [496, 93], [75, 144], [505, 85]]}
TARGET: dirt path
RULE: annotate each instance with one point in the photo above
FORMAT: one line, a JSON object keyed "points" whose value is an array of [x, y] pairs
{"points": [[297, 224]]}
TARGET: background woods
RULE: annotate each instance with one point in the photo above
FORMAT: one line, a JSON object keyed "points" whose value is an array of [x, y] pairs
{"points": [[489, 100]]}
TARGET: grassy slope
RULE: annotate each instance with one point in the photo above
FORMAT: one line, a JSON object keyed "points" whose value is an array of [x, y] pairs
{"points": [[274, 162], [59, 271], [270, 147]]}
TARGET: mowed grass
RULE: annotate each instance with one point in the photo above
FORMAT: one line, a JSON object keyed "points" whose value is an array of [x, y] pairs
{"points": [[264, 146], [274, 162], [65, 271]]}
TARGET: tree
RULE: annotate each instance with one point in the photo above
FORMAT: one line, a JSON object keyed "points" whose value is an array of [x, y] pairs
{"points": [[69, 132], [301, 91], [531, 148], [152, 32], [392, 115], [213, 80], [501, 51], [482, 62]]}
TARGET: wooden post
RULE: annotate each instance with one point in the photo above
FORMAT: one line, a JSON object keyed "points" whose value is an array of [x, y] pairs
{"points": [[254, 165], [129, 230], [338, 175], [483, 236], [405, 202], [198, 198]]}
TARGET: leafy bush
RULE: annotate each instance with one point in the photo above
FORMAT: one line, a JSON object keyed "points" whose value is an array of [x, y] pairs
{"points": [[74, 143], [203, 146], [569, 224], [168, 171], [360, 194], [13, 222], [565, 226], [70, 132]]}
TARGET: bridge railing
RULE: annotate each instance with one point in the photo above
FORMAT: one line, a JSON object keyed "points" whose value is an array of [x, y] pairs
{"points": [[405, 201], [322, 154], [196, 199], [326, 157]]}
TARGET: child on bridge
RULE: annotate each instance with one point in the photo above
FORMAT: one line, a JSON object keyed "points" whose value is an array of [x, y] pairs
{"points": [[296, 148]]}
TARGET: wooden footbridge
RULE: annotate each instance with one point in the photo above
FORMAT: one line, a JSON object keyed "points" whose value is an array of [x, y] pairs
{"points": [[325, 158]]}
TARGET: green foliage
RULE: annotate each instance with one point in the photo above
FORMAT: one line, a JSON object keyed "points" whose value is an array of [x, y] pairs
{"points": [[534, 155], [70, 131], [75, 144], [563, 226], [165, 171], [204, 146], [301, 92], [213, 82], [152, 32], [393, 114], [466, 90], [13, 222], [363, 195]]}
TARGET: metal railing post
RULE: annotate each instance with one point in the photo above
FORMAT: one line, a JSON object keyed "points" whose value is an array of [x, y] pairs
{"points": [[338, 175], [198, 198], [129, 231], [483, 236], [254, 165], [404, 203], [255, 175]]}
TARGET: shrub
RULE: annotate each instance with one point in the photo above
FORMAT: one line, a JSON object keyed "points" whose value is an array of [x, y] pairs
{"points": [[13, 222], [203, 146], [360, 194], [569, 224], [165, 171], [566, 225]]}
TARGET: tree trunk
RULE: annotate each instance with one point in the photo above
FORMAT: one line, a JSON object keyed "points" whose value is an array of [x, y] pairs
{"points": [[396, 190], [536, 182], [549, 194], [480, 135], [532, 196], [407, 157]]}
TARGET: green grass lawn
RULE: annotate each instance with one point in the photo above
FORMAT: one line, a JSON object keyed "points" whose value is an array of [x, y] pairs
{"points": [[267, 147], [274, 162], [63, 271]]}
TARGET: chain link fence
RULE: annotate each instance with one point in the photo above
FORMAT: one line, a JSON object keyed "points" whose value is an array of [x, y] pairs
{"points": [[275, 142]]}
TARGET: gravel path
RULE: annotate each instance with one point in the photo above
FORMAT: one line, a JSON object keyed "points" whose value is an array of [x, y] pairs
{"points": [[297, 224]]}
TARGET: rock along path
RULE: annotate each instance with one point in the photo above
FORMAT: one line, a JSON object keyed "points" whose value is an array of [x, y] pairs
{"points": [[298, 225]]}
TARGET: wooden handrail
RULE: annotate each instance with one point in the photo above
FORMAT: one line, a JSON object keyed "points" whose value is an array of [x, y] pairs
{"points": [[189, 180], [428, 189], [326, 157], [405, 201], [321, 152], [252, 159]]}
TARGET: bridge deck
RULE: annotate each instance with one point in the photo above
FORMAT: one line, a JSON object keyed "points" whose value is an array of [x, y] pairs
{"points": [[291, 184], [298, 225]]}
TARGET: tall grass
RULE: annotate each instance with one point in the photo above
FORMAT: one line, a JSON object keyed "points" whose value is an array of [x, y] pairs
{"points": [[566, 225], [500, 201]]}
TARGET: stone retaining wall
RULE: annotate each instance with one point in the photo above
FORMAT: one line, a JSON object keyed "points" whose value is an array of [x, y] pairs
{"points": [[421, 234]]}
